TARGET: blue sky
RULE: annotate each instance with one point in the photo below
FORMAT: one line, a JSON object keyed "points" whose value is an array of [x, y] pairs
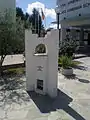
{"points": [[48, 7]]}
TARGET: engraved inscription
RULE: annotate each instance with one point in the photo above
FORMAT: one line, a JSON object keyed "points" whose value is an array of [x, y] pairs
{"points": [[39, 68]]}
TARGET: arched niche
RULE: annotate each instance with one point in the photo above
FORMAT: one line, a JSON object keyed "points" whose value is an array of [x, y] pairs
{"points": [[40, 49]]}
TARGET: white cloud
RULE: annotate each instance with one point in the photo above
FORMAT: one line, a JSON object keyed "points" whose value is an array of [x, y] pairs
{"points": [[38, 5], [50, 13], [54, 26]]}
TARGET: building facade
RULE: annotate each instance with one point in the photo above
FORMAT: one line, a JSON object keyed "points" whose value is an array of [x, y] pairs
{"points": [[8, 6], [74, 17]]}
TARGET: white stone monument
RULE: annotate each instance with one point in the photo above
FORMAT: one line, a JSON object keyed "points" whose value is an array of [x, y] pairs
{"points": [[42, 62]]}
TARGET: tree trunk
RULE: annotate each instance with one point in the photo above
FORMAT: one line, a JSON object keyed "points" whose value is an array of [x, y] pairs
{"points": [[1, 62], [0, 68]]}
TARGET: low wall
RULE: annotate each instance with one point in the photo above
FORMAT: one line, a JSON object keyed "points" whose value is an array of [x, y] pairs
{"points": [[13, 66]]}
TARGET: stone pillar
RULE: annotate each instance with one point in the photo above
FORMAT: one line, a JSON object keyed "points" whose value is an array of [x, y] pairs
{"points": [[81, 37]]}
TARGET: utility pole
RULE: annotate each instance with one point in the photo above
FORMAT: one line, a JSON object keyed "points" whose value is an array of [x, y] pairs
{"points": [[58, 24]]}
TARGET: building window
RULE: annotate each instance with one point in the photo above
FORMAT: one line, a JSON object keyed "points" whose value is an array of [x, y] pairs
{"points": [[68, 33], [67, 30], [85, 35], [73, 1], [78, 35], [39, 84]]}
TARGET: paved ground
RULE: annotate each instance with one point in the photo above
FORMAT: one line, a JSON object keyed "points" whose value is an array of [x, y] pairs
{"points": [[72, 102], [13, 59], [18, 58]]}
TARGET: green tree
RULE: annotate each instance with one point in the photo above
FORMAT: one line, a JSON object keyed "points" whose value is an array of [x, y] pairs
{"points": [[11, 37], [24, 17], [67, 46], [19, 13], [33, 21], [19, 36], [36, 21]]}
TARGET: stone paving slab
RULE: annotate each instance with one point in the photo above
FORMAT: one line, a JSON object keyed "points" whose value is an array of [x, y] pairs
{"points": [[13, 59]]}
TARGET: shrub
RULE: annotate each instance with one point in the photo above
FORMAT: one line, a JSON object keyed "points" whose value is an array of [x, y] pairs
{"points": [[76, 63], [73, 62], [68, 47], [15, 71], [65, 61]]}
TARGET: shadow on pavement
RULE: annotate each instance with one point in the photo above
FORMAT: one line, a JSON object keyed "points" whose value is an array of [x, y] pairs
{"points": [[62, 101], [83, 80], [13, 91], [73, 76], [80, 67]]}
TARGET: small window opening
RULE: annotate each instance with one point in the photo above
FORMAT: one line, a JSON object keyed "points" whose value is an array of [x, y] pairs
{"points": [[39, 84]]}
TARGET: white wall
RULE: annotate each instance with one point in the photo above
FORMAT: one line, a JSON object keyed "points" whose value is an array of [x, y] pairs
{"points": [[73, 14], [49, 62]]}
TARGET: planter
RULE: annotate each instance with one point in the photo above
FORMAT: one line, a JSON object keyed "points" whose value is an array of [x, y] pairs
{"points": [[67, 72]]}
